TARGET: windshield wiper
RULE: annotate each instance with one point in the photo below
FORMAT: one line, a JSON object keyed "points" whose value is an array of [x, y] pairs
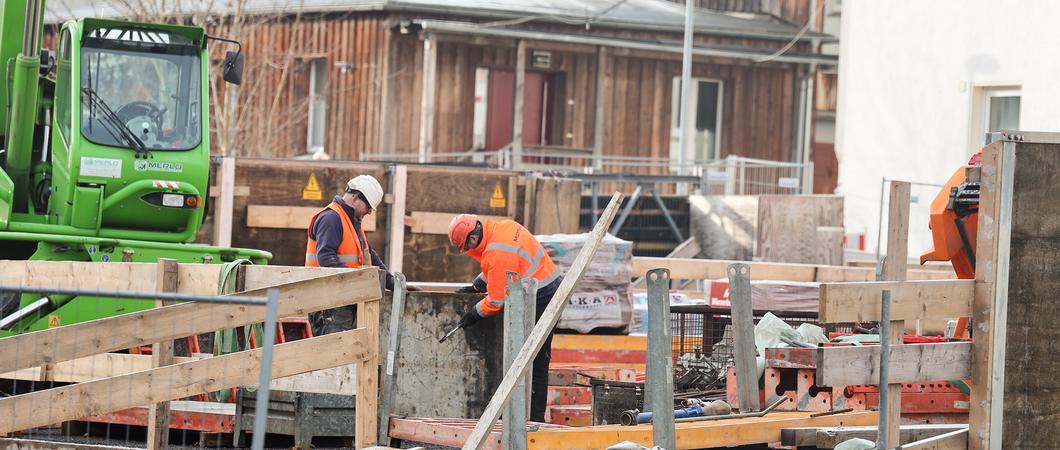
{"points": [[118, 129]]}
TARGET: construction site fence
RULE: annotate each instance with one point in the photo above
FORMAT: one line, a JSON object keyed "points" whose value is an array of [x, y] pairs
{"points": [[95, 351], [732, 175]]}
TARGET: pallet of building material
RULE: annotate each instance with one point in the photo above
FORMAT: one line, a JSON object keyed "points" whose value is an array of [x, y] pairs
{"points": [[603, 299]]}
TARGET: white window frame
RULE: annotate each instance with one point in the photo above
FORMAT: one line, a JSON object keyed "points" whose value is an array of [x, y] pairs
{"points": [[675, 85], [979, 117], [315, 65]]}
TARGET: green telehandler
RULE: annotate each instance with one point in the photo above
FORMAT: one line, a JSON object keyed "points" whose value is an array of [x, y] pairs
{"points": [[106, 152]]}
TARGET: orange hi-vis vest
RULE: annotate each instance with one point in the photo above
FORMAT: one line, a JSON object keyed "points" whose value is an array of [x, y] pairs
{"points": [[509, 247], [350, 252]]}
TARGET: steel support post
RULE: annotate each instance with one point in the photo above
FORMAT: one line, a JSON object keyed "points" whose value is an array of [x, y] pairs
{"points": [[659, 389]]}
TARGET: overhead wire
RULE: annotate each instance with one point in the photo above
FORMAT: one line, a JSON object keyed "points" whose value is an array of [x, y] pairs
{"points": [[809, 22]]}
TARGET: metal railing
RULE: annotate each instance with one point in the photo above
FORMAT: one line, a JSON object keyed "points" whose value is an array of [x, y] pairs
{"points": [[732, 175]]}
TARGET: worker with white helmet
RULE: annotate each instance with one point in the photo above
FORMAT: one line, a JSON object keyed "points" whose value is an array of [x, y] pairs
{"points": [[337, 239]]}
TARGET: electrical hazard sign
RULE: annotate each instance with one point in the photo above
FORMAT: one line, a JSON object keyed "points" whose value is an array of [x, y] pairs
{"points": [[497, 200], [311, 191]]}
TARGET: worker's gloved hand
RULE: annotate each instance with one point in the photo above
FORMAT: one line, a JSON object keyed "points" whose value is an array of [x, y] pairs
{"points": [[469, 289], [469, 318]]}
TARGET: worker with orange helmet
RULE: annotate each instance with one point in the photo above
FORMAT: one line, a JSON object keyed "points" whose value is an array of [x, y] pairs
{"points": [[500, 247], [337, 239]]}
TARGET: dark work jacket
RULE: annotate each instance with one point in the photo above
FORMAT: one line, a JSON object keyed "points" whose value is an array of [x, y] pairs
{"points": [[327, 231]]}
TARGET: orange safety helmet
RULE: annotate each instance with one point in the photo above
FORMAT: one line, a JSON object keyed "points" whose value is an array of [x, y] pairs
{"points": [[460, 228]]}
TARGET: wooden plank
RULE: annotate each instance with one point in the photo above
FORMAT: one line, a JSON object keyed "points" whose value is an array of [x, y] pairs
{"points": [[341, 380], [395, 247], [954, 440], [427, 97], [223, 211], [842, 366], [744, 350], [695, 435], [186, 319], [831, 436], [425, 222], [910, 300], [800, 229], [37, 444], [136, 277], [92, 368], [161, 355], [543, 328], [894, 269], [366, 428], [181, 380], [238, 191], [296, 217]]}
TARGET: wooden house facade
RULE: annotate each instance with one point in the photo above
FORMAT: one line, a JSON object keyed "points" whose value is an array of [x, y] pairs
{"points": [[411, 79]]}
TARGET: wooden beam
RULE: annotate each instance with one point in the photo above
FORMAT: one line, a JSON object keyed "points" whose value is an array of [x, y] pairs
{"points": [[239, 191], [894, 269], [91, 368], [519, 102], [37, 444], [138, 277], [543, 328], [161, 355], [171, 322], [366, 427], [395, 245], [714, 269], [829, 437], [75, 401], [425, 222], [690, 435], [293, 217], [984, 414], [843, 366], [430, 63], [599, 109], [954, 440], [222, 214], [910, 300]]}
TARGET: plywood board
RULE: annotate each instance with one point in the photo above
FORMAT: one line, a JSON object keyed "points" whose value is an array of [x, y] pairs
{"points": [[800, 229], [910, 300]]}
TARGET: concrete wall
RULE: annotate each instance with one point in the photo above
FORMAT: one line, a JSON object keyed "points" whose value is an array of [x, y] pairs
{"points": [[909, 71]]}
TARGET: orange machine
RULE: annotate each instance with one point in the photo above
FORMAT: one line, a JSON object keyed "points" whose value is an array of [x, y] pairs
{"points": [[954, 220]]}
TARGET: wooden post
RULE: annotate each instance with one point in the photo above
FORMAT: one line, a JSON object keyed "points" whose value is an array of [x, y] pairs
{"points": [[600, 110], [162, 355], [743, 329], [430, 62], [222, 216], [543, 327], [894, 269], [396, 243], [520, 98], [366, 429], [984, 415]]}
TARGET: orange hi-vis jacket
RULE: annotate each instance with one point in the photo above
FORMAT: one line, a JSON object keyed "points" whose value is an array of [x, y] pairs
{"points": [[350, 252], [509, 247]]}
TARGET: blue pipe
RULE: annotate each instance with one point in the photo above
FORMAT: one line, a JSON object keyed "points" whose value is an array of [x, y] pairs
{"points": [[633, 416]]}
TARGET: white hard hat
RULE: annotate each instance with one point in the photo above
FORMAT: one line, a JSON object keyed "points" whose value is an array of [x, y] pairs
{"points": [[368, 186]]}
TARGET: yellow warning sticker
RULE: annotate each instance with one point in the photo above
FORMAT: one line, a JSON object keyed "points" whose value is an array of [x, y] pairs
{"points": [[53, 321], [497, 199], [311, 191]]}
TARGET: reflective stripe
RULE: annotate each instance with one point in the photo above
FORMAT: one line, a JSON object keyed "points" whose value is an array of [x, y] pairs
{"points": [[479, 311], [343, 258], [534, 262], [497, 303]]}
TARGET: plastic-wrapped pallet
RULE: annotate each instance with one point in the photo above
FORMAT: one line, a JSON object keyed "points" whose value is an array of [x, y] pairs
{"points": [[603, 297]]}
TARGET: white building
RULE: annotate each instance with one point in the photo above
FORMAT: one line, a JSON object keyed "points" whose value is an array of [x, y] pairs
{"points": [[920, 85]]}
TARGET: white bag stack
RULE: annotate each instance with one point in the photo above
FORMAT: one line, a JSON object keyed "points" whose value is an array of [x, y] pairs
{"points": [[603, 297]]}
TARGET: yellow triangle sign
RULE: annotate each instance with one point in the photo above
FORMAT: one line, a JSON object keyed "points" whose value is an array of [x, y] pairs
{"points": [[312, 189], [497, 199]]}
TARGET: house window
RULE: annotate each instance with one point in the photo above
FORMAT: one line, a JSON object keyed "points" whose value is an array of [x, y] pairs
{"points": [[318, 85], [994, 108], [704, 112]]}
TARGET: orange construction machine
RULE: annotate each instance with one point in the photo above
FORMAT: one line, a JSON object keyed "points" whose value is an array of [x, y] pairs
{"points": [[955, 220]]}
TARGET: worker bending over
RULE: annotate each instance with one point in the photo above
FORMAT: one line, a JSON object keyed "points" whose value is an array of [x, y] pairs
{"points": [[506, 246], [336, 239]]}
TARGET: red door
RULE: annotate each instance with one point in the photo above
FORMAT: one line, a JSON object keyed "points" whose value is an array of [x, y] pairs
{"points": [[500, 108]]}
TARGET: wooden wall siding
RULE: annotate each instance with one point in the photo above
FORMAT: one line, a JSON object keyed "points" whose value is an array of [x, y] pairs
{"points": [[274, 97], [792, 11], [757, 118]]}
